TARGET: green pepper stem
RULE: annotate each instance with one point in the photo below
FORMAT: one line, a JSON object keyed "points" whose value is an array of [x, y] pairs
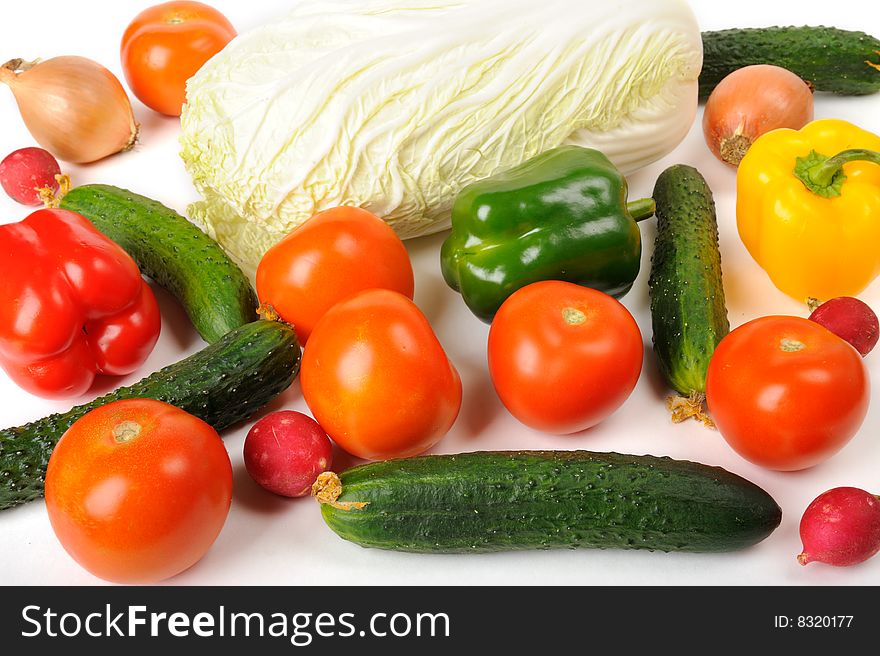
{"points": [[641, 209], [822, 174]]}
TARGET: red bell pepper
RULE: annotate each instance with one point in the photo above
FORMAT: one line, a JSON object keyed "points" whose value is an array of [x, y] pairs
{"points": [[72, 305]]}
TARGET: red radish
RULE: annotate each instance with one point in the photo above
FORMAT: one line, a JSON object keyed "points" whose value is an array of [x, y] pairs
{"points": [[27, 170], [841, 527], [851, 320], [285, 451], [751, 101]]}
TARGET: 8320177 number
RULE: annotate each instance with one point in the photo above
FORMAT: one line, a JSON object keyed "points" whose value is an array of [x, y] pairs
{"points": [[824, 621]]}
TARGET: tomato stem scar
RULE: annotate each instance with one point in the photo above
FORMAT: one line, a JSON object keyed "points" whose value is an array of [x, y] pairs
{"points": [[791, 345], [126, 431], [573, 316]]}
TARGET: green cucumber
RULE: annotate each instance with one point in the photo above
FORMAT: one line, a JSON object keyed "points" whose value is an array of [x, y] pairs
{"points": [[833, 60], [515, 500], [216, 295], [688, 313], [222, 384]]}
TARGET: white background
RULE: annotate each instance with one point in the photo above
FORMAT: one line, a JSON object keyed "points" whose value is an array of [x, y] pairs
{"points": [[271, 540]]}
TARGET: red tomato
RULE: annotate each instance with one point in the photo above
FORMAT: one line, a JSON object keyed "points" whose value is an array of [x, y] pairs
{"points": [[332, 256], [138, 490], [785, 392], [563, 357], [376, 378], [166, 45]]}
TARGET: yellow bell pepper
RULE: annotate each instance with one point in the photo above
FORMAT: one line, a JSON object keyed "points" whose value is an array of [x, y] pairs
{"points": [[808, 208]]}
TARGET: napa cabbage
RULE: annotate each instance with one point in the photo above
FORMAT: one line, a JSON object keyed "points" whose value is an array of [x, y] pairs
{"points": [[395, 105]]}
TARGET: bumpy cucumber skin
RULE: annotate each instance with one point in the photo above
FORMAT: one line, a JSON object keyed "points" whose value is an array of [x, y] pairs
{"points": [[830, 59], [217, 296], [688, 311], [222, 384], [517, 500]]}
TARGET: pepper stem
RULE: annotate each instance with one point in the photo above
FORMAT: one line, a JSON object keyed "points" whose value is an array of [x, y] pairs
{"points": [[824, 175], [641, 209]]}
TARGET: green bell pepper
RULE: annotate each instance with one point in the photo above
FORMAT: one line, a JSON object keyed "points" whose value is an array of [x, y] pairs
{"points": [[561, 215]]}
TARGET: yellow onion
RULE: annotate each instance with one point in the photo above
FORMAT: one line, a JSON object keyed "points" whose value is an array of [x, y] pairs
{"points": [[74, 107], [750, 102]]}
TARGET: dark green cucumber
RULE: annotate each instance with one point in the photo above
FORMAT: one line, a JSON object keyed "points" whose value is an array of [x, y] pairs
{"points": [[500, 501], [222, 384], [833, 60], [172, 251], [688, 313]]}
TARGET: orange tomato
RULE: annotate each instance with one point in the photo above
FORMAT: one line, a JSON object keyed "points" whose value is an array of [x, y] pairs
{"points": [[786, 393], [377, 379], [563, 357], [138, 490], [330, 257], [166, 45]]}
